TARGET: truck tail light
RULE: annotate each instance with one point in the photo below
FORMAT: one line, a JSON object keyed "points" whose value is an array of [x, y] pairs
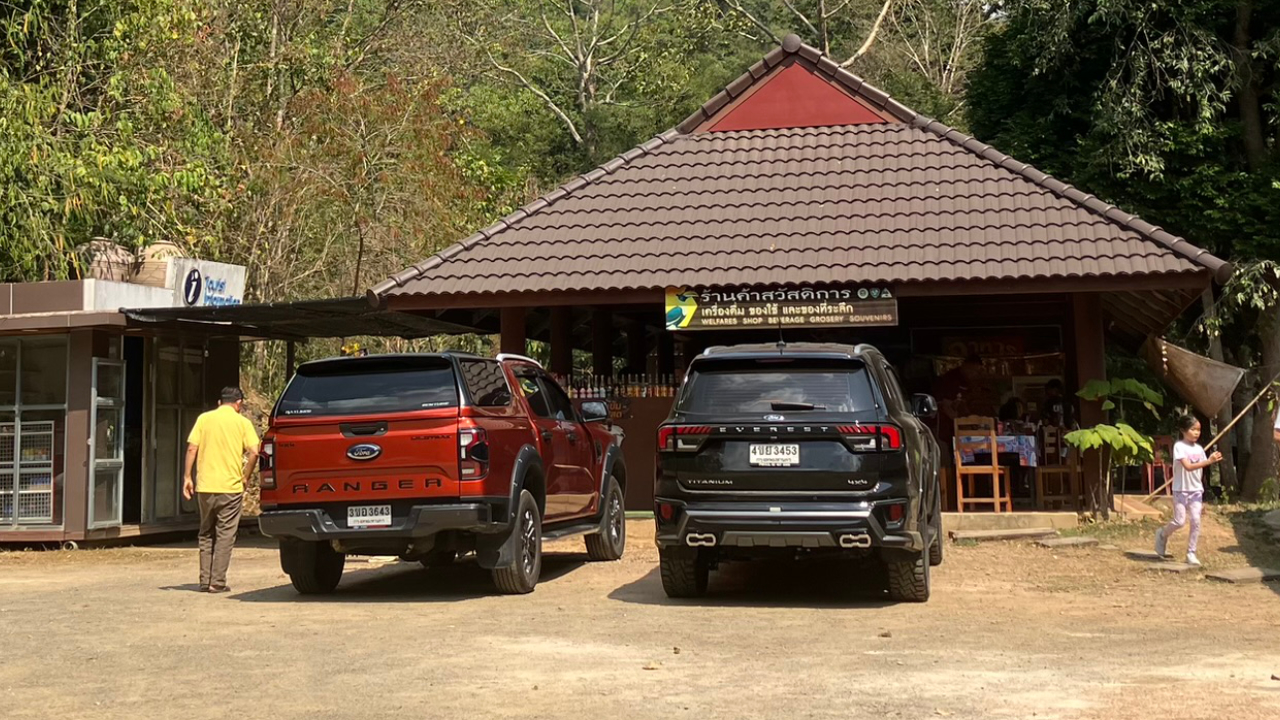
{"points": [[267, 465], [873, 437], [473, 451], [673, 438]]}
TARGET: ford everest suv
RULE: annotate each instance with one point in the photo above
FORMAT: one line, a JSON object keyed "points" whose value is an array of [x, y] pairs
{"points": [[797, 449], [432, 456]]}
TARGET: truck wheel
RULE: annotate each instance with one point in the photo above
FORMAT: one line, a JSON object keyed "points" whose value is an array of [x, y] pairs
{"points": [[611, 541], [935, 548], [909, 579], [684, 574], [317, 568], [522, 577]]}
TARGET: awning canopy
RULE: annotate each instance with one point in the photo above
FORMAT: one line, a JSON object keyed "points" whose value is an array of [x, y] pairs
{"points": [[343, 317]]}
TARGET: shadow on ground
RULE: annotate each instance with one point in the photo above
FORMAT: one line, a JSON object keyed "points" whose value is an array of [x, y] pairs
{"points": [[410, 582], [769, 583]]}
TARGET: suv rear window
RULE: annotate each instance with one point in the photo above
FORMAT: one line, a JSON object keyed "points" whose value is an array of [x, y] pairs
{"points": [[753, 388], [369, 387]]}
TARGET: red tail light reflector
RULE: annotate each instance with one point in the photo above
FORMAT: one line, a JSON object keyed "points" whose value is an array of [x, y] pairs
{"points": [[874, 436], [669, 435], [473, 451]]}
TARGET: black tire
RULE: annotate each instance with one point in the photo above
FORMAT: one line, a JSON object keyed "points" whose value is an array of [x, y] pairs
{"points": [[909, 579], [684, 574], [522, 576], [317, 569], [935, 547], [610, 543]]}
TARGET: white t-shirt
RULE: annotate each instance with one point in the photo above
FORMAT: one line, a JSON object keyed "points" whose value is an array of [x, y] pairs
{"points": [[1185, 480]]}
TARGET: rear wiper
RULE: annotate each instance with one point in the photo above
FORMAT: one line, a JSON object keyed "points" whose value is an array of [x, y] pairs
{"points": [[777, 405]]}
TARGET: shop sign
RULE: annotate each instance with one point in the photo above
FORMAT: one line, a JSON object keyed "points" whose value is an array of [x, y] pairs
{"points": [[200, 282], [729, 309]]}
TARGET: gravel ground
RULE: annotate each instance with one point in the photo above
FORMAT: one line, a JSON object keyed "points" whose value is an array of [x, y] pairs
{"points": [[1013, 631]]}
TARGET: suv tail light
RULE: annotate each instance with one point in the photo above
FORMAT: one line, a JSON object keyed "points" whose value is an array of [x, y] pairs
{"points": [[267, 465], [473, 451], [673, 438], [873, 437]]}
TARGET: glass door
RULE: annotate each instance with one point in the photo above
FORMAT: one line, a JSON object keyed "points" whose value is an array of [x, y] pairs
{"points": [[106, 441]]}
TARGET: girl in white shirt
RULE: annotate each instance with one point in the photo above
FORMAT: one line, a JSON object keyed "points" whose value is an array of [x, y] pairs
{"points": [[1189, 462]]}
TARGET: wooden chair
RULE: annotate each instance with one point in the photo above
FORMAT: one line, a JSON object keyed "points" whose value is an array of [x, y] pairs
{"points": [[1159, 471], [1058, 476], [977, 435]]}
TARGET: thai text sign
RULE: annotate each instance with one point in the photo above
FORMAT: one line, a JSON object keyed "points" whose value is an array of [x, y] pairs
{"points": [[728, 308]]}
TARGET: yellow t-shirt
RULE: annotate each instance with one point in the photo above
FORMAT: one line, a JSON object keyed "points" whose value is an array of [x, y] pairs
{"points": [[222, 437]]}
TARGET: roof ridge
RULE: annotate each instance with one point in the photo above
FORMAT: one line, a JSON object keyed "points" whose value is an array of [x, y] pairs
{"points": [[792, 45]]}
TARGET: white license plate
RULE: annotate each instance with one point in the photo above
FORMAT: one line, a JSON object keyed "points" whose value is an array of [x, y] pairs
{"points": [[775, 455], [368, 516]]}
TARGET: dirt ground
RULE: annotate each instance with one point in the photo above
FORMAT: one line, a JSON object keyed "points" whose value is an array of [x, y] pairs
{"points": [[1013, 631]]}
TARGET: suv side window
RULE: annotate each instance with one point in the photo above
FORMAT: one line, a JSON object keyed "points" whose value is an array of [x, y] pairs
{"points": [[486, 382], [533, 392], [561, 405], [893, 388]]}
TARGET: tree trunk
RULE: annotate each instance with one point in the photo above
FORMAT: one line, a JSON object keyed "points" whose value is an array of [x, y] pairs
{"points": [[1251, 123], [1226, 470], [1262, 460]]}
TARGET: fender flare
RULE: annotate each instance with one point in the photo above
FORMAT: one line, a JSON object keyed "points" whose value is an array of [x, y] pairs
{"points": [[494, 550]]}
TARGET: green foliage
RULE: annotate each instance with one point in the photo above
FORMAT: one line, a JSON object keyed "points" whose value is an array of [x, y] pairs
{"points": [[1126, 445]]}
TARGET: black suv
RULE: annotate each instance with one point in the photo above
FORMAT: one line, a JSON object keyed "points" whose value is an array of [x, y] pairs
{"points": [[797, 449]]}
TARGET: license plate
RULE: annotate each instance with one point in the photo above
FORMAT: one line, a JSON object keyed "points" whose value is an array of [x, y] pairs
{"points": [[369, 516], [775, 455]]}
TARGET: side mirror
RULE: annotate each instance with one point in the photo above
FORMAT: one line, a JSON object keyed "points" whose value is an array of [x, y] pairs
{"points": [[924, 406], [594, 412]]}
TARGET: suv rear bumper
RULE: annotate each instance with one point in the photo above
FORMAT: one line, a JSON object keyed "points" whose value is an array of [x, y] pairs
{"points": [[422, 521], [744, 525]]}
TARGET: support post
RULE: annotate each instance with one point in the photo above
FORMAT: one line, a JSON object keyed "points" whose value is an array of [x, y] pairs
{"points": [[602, 343], [1090, 364], [562, 341], [512, 329], [290, 359], [1228, 467]]}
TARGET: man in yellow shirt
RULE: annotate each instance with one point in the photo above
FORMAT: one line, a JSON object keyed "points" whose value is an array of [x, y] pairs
{"points": [[222, 448]]}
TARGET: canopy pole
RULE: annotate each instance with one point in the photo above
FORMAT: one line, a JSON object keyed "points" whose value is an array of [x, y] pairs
{"points": [[290, 359]]}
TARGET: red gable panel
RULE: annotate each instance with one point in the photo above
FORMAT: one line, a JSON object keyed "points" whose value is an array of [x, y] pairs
{"points": [[796, 98]]}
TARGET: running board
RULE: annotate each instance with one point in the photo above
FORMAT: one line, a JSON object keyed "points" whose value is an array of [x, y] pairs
{"points": [[570, 531]]}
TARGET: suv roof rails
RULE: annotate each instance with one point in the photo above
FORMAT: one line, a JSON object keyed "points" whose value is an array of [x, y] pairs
{"points": [[512, 356]]}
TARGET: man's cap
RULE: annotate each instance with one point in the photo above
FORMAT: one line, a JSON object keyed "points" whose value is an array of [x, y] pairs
{"points": [[232, 394]]}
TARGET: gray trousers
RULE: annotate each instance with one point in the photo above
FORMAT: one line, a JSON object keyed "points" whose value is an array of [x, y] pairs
{"points": [[219, 521]]}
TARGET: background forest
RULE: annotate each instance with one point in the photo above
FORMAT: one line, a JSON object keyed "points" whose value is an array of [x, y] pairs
{"points": [[327, 143]]}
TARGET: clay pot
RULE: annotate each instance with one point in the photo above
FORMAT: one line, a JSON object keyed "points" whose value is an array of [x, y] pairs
{"points": [[154, 261], [105, 260]]}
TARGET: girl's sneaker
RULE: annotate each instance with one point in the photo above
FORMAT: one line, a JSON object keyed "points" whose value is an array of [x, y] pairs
{"points": [[1162, 543], [1193, 560]]}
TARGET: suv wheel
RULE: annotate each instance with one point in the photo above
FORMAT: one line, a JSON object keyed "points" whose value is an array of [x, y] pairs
{"points": [[935, 547], [316, 568], [609, 543], [909, 579], [522, 576], [684, 573]]}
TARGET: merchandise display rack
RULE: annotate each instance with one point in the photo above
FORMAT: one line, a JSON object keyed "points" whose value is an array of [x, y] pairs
{"points": [[26, 472]]}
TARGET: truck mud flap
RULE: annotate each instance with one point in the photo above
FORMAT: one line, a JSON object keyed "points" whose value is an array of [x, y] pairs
{"points": [[497, 550]]}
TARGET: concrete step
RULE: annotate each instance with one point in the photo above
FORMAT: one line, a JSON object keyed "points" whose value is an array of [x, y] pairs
{"points": [[1245, 575], [1011, 534], [1060, 542]]}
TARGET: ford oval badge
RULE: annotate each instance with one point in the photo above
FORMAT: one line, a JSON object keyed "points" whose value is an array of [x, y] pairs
{"points": [[364, 451], [774, 418]]}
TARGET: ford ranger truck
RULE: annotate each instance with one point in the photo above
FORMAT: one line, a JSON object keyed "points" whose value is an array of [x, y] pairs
{"points": [[432, 457], [797, 450]]}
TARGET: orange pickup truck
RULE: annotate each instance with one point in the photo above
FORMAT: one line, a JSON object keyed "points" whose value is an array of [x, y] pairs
{"points": [[431, 457]]}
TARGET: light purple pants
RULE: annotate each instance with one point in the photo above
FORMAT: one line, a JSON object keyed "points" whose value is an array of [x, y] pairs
{"points": [[1186, 504]]}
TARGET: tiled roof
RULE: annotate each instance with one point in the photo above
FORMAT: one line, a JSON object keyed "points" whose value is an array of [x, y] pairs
{"points": [[913, 201]]}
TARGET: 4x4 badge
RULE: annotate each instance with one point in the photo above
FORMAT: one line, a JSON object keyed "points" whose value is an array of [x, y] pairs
{"points": [[364, 451]]}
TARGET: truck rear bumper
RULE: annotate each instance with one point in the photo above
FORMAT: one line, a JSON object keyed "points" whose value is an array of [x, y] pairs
{"points": [[787, 525], [422, 521]]}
